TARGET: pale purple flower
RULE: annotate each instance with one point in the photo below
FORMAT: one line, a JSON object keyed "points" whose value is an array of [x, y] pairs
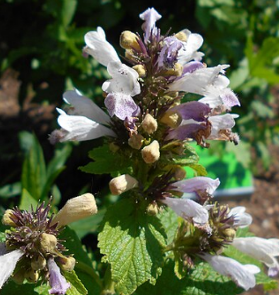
{"points": [[241, 218], [199, 185], [188, 209], [8, 261], [264, 250], [121, 105], [189, 49], [168, 55], [123, 85], [58, 283], [191, 66], [150, 16], [209, 82], [99, 47], [242, 275]]}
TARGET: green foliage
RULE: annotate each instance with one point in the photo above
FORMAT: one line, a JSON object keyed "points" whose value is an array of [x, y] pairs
{"points": [[106, 162], [132, 243]]}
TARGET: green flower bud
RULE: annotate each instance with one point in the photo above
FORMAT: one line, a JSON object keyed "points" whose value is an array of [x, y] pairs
{"points": [[38, 263], [48, 243], [129, 40], [67, 263], [31, 275], [6, 219], [135, 141]]}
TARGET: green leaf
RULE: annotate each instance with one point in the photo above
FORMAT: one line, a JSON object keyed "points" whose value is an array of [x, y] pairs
{"points": [[83, 268], [203, 280], [10, 190], [77, 287], [27, 200], [169, 220], [132, 243], [105, 161], [189, 157], [199, 169], [33, 175]]}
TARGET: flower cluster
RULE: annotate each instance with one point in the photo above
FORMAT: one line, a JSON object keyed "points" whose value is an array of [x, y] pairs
{"points": [[149, 120], [33, 251]]}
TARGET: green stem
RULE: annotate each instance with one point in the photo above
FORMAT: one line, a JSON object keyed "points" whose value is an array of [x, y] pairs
{"points": [[90, 271], [108, 288]]}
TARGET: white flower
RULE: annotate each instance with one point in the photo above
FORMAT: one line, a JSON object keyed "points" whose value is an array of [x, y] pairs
{"points": [[242, 275], [188, 209], [209, 83], [80, 128], [83, 106], [99, 47], [189, 49], [264, 250], [8, 261], [241, 218], [124, 79]]}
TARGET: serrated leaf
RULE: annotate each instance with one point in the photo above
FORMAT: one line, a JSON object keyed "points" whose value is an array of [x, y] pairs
{"points": [[105, 161], [132, 243], [169, 220], [77, 287], [199, 169]]}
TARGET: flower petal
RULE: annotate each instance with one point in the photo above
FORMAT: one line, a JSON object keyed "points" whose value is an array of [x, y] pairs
{"points": [[81, 128], [84, 106], [124, 79], [242, 275], [241, 218], [58, 283], [150, 16], [8, 263], [99, 48], [188, 209], [121, 105]]}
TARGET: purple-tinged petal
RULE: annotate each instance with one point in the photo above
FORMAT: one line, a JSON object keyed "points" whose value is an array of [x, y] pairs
{"points": [[121, 105], [185, 131], [196, 185], [150, 16], [221, 122], [8, 263], [229, 98], [241, 218], [264, 250], [188, 209], [191, 67], [242, 275], [58, 283], [192, 110], [168, 55]]}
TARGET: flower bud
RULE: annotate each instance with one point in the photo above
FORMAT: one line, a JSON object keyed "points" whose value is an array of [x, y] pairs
{"points": [[38, 263], [230, 233], [149, 124], [176, 71], [31, 275], [151, 153], [48, 243], [6, 219], [129, 54], [181, 36], [141, 70], [129, 40], [67, 263], [152, 209], [172, 119], [76, 209], [19, 277], [135, 141], [179, 173], [122, 183]]}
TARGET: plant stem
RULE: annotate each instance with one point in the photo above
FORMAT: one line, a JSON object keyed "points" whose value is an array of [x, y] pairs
{"points": [[90, 271]]}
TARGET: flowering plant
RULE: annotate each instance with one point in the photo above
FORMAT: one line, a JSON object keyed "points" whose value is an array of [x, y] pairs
{"points": [[165, 233]]}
